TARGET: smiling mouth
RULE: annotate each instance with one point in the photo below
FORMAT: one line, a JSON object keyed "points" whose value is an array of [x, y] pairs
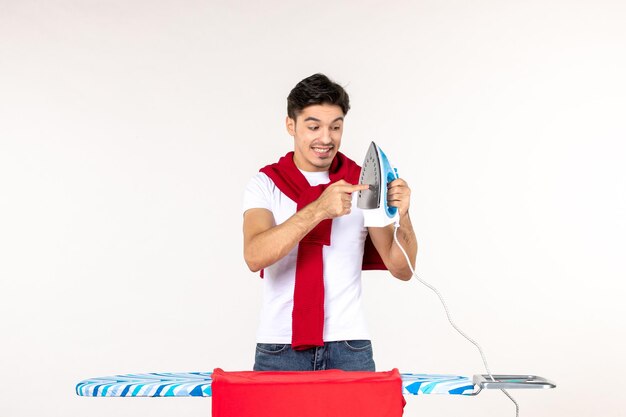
{"points": [[322, 151]]}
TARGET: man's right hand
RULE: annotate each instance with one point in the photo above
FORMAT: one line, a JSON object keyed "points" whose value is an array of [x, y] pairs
{"points": [[336, 200], [265, 242]]}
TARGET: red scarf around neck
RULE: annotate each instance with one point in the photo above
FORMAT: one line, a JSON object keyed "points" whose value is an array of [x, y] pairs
{"points": [[308, 297]]}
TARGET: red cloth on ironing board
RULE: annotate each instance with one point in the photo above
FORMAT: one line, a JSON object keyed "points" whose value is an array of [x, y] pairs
{"points": [[331, 393], [308, 298]]}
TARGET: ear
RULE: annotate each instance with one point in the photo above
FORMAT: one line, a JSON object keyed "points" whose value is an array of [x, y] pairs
{"points": [[291, 126]]}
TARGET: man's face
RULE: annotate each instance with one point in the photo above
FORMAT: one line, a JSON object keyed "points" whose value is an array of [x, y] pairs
{"points": [[317, 134]]}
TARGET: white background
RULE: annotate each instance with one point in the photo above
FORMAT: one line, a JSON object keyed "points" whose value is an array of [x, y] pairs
{"points": [[128, 130]]}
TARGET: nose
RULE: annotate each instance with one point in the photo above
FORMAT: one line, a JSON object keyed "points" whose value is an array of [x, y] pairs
{"points": [[326, 136]]}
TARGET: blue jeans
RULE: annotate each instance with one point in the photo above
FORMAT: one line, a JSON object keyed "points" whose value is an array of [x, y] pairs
{"points": [[347, 355]]}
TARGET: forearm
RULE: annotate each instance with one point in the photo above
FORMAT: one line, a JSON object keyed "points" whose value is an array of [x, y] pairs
{"points": [[397, 260], [270, 246]]}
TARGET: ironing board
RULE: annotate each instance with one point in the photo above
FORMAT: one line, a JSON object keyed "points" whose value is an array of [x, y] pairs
{"points": [[198, 384]]}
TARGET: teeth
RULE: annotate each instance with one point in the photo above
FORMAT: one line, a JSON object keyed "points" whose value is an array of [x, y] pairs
{"points": [[321, 150]]}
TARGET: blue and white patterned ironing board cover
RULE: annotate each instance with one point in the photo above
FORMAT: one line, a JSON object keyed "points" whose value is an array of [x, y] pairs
{"points": [[198, 384]]}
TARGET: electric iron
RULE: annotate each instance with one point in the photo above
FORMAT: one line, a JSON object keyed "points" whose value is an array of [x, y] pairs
{"points": [[377, 172]]}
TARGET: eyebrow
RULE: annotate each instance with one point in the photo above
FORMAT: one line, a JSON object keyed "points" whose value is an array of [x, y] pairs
{"points": [[315, 119]]}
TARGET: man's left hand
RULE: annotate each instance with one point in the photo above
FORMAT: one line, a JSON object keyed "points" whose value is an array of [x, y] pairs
{"points": [[399, 195]]}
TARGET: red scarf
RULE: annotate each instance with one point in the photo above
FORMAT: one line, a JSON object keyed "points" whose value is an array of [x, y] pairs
{"points": [[308, 297]]}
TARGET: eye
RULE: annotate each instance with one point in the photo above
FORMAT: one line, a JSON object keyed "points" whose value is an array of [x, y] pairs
{"points": [[336, 127], [313, 127]]}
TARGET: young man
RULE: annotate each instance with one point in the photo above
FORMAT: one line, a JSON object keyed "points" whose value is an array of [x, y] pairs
{"points": [[302, 228]]}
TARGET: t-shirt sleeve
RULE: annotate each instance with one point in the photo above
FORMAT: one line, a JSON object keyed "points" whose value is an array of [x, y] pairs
{"points": [[258, 193]]}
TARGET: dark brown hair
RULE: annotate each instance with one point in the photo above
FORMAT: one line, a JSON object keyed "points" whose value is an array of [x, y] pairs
{"points": [[316, 89]]}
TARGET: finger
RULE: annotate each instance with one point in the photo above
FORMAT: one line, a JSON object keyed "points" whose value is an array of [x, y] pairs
{"points": [[399, 188], [349, 188], [398, 198], [341, 184], [399, 205], [398, 193], [398, 182], [395, 198]]}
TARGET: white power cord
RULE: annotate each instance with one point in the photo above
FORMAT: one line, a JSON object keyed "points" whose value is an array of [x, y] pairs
{"points": [[445, 307]]}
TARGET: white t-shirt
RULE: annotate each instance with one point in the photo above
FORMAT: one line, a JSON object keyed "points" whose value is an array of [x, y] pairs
{"points": [[344, 318]]}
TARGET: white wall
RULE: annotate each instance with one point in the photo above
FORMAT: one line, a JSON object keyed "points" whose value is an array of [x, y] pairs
{"points": [[129, 129]]}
